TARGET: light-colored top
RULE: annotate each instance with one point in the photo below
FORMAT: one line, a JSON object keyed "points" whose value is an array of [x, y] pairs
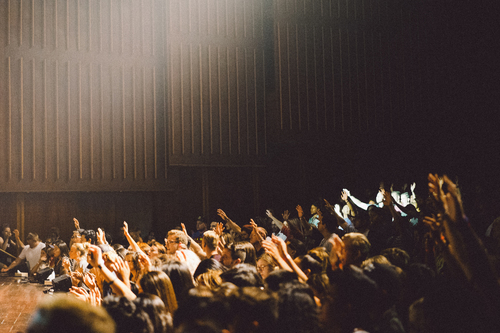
{"points": [[32, 255]]}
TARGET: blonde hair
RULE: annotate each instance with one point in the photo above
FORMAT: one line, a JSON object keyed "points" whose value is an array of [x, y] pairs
{"points": [[210, 279], [180, 236], [81, 248], [211, 239], [379, 259]]}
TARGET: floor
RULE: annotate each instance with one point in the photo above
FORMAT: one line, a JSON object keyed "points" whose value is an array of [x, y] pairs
{"points": [[18, 301]]}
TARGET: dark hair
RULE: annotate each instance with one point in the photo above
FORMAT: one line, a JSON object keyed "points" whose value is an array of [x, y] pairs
{"points": [[181, 278], [120, 250], [127, 316], [297, 308], [397, 257], [243, 275], [329, 221], [63, 247], [249, 250], [308, 262], [155, 308], [90, 236], [252, 304], [206, 265], [279, 276], [298, 246], [158, 283]]}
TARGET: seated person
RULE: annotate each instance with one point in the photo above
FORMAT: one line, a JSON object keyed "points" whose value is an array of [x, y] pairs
{"points": [[30, 253]]}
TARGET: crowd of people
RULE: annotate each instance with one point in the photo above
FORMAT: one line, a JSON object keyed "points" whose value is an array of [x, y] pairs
{"points": [[400, 263]]}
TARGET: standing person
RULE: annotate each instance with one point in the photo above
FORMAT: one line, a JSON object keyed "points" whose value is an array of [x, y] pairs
{"points": [[201, 227], [31, 253]]}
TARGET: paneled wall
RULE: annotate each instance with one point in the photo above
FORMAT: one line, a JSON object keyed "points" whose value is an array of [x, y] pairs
{"points": [[345, 66], [216, 82], [82, 86]]}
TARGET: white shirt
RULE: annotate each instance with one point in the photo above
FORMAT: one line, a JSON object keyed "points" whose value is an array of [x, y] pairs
{"points": [[32, 255]]}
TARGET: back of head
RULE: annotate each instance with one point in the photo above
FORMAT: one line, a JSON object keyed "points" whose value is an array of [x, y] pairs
{"points": [[297, 308], [279, 276], [90, 236], [32, 236], [250, 256], [155, 308], [330, 222], [181, 278], [61, 314], [207, 265], [357, 248], [254, 310], [158, 283], [243, 275], [210, 238], [397, 257], [127, 316]]}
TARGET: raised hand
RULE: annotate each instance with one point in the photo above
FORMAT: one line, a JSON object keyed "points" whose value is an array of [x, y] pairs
{"points": [[77, 224], [184, 228], [435, 223], [344, 196], [337, 254], [125, 227], [222, 214], [413, 186], [144, 262], [66, 264], [269, 214], [285, 215], [219, 228], [90, 280], [16, 233], [80, 293], [122, 270], [94, 256], [281, 246], [101, 236], [387, 200], [271, 249], [300, 211]]}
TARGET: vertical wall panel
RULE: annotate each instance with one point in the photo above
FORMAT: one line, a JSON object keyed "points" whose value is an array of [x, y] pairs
{"points": [[81, 109], [215, 73]]}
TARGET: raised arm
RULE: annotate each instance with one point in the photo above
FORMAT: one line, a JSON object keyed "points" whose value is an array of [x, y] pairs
{"points": [[278, 223], [229, 223], [303, 220], [336, 212], [131, 241], [117, 285], [195, 247], [19, 242]]}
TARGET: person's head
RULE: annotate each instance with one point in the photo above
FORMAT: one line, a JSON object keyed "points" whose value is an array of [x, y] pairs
{"points": [[209, 241], [132, 259], [357, 248], [235, 253], [257, 234], [327, 224], [181, 278], [295, 247], [321, 255], [129, 317], [297, 309], [279, 276], [54, 234], [78, 251], [265, 265], [61, 314], [120, 250], [243, 275], [89, 236], [397, 257], [254, 309], [361, 221], [155, 249], [158, 283], [379, 259], [309, 265], [314, 208], [210, 279], [6, 232], [174, 239], [155, 308], [76, 237], [32, 240], [201, 225]]}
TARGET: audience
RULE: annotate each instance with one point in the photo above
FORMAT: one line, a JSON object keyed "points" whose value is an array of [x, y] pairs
{"points": [[398, 263]]}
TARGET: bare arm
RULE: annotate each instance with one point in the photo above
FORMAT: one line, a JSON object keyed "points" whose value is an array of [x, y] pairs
{"points": [[229, 223], [131, 241], [278, 223], [19, 242], [195, 247]]}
